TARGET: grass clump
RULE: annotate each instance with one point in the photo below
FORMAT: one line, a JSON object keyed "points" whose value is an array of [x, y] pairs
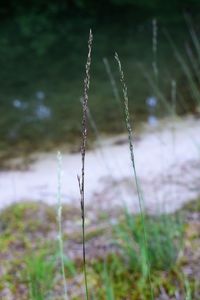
{"points": [[40, 272], [31, 269], [28, 241], [164, 239], [118, 281], [192, 206]]}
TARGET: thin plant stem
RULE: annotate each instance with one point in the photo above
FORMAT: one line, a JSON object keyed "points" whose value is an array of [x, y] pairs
{"points": [[60, 234], [193, 62], [113, 83], [106, 161], [154, 48], [174, 104], [156, 89], [130, 138], [193, 34], [112, 80], [98, 138], [174, 100], [186, 69], [81, 180]]}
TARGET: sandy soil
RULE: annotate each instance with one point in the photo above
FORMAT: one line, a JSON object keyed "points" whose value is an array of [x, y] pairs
{"points": [[167, 161]]}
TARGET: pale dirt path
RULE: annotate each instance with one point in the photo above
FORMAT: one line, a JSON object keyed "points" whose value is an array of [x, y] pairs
{"points": [[169, 175]]}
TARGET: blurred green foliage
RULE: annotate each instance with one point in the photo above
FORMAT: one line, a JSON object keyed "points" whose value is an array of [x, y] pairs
{"points": [[43, 46], [13, 7]]}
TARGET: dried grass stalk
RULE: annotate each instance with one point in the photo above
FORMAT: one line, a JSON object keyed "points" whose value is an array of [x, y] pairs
{"points": [[83, 151], [60, 233], [130, 138]]}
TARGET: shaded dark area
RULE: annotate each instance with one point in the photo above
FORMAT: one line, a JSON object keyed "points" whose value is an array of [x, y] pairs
{"points": [[101, 8], [43, 47]]}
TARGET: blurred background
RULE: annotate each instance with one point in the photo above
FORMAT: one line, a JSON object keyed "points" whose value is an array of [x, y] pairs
{"points": [[43, 47]]}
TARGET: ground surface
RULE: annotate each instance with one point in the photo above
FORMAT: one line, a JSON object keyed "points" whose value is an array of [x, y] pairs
{"points": [[167, 162], [29, 249]]}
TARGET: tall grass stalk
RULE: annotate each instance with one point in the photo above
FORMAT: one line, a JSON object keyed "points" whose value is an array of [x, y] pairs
{"points": [[41, 270], [156, 89], [173, 130], [112, 80], [155, 47], [109, 291], [130, 138], [159, 93], [83, 152], [105, 160], [193, 34], [60, 234], [188, 291], [174, 100], [93, 125], [186, 69], [193, 61], [173, 96], [98, 139], [114, 86]]}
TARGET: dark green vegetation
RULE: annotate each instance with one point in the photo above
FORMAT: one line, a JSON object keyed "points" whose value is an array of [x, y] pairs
{"points": [[43, 49], [140, 8], [30, 265]]}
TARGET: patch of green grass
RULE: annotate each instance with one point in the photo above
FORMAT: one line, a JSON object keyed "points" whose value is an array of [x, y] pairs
{"points": [[113, 277], [121, 275], [192, 206], [31, 217], [27, 219], [164, 239], [40, 271], [31, 259], [29, 251]]}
